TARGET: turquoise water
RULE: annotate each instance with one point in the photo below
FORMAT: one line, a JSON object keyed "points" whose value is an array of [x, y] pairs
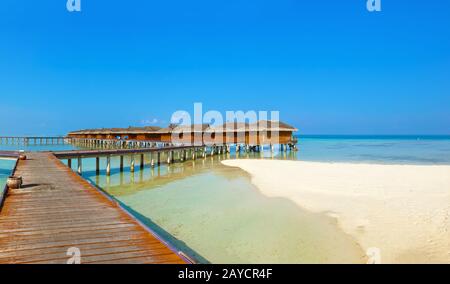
{"points": [[370, 149], [6, 167], [34, 148], [362, 149], [376, 149]]}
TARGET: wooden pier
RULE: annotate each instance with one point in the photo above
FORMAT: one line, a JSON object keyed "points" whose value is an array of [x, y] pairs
{"points": [[33, 140], [94, 143], [57, 212]]}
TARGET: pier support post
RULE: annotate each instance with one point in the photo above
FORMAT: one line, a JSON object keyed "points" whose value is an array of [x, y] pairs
{"points": [[168, 157], [132, 163], [159, 158], [80, 166], [97, 165], [69, 163], [108, 165], [142, 161], [152, 163], [121, 163]]}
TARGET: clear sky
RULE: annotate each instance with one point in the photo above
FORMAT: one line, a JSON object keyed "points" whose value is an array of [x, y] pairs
{"points": [[327, 66]]}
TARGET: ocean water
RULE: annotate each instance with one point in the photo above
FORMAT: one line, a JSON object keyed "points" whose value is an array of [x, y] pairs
{"points": [[6, 166], [375, 149], [35, 148], [215, 214], [419, 149]]}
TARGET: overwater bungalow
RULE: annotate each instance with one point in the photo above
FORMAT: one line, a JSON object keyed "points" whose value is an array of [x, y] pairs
{"points": [[262, 132]]}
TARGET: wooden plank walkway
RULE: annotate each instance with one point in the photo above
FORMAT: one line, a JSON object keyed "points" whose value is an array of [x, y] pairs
{"points": [[57, 210]]}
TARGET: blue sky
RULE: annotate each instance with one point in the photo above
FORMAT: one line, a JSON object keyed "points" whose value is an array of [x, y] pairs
{"points": [[327, 66]]}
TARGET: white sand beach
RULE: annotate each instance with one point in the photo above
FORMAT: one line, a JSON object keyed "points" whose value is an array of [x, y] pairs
{"points": [[402, 210]]}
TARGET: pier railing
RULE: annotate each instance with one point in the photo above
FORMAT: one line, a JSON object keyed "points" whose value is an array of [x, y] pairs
{"points": [[108, 148], [113, 143], [182, 152], [33, 140]]}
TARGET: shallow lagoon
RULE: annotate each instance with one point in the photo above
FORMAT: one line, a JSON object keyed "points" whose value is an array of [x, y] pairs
{"points": [[216, 215]]}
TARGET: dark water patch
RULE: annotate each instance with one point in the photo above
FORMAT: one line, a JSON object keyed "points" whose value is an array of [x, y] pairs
{"points": [[400, 158], [5, 172]]}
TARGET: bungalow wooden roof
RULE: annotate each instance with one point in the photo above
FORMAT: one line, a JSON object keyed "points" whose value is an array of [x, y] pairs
{"points": [[129, 130], [262, 125]]}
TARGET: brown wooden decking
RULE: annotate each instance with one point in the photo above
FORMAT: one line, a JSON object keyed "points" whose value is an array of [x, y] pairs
{"points": [[57, 210]]}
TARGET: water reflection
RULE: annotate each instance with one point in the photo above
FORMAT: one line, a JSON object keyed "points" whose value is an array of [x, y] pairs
{"points": [[163, 174]]}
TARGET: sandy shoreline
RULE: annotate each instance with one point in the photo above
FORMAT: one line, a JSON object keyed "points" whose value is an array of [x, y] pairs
{"points": [[402, 210]]}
